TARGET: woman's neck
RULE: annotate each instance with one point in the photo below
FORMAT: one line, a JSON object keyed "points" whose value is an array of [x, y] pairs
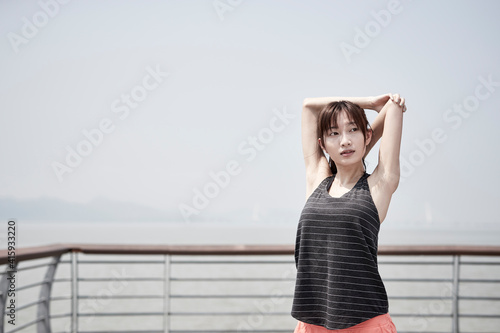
{"points": [[349, 175]]}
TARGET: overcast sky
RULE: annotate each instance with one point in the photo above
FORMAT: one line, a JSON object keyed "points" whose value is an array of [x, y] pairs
{"points": [[190, 110]]}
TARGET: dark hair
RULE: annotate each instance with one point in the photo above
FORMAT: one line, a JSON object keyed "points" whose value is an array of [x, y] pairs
{"points": [[328, 118]]}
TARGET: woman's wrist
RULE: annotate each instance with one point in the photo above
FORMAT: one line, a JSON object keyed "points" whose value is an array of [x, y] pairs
{"points": [[371, 104], [378, 102]]}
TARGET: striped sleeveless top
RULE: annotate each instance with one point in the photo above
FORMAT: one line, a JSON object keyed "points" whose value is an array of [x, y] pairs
{"points": [[338, 284]]}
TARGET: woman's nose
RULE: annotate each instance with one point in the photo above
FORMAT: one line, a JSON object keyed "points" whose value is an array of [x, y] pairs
{"points": [[345, 141]]}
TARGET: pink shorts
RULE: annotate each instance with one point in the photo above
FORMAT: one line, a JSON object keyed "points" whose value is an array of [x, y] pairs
{"points": [[379, 324]]}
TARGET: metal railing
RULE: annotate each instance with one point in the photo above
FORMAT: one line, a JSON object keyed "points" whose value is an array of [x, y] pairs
{"points": [[132, 288]]}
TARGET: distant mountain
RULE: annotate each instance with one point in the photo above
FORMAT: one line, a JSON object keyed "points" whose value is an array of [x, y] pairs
{"points": [[53, 209]]}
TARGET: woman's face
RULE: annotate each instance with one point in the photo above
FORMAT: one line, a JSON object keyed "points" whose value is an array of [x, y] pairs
{"points": [[345, 143]]}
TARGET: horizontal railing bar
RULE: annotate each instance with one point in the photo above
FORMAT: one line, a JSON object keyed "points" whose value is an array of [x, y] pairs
{"points": [[32, 285], [471, 315], [60, 315], [187, 262], [228, 296], [62, 280], [475, 298], [179, 279], [437, 315], [441, 263], [120, 279], [427, 332], [114, 314], [229, 279], [23, 254], [479, 280], [123, 296], [119, 262], [27, 305], [440, 250], [138, 314], [421, 298], [493, 263], [287, 313], [246, 262], [60, 298], [187, 249], [415, 280], [290, 296]]}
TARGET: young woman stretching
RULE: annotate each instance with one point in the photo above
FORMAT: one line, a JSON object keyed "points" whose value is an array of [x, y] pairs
{"points": [[338, 286]]}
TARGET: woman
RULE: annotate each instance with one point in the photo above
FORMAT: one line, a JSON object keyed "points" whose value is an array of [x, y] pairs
{"points": [[338, 286]]}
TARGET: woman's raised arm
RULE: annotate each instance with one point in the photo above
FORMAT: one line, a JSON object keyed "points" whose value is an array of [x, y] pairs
{"points": [[385, 178], [378, 124]]}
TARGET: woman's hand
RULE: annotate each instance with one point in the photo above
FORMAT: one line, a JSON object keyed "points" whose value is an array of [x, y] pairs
{"points": [[378, 102], [399, 101]]}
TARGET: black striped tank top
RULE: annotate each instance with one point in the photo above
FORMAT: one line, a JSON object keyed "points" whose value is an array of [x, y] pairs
{"points": [[338, 284]]}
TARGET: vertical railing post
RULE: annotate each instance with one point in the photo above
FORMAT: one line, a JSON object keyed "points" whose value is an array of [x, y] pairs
{"points": [[43, 309], [166, 295], [455, 297], [74, 292]]}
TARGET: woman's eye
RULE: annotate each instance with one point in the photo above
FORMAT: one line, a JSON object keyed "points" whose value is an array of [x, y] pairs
{"points": [[354, 129], [334, 133]]}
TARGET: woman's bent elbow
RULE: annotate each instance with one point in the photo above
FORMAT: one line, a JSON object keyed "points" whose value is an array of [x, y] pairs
{"points": [[307, 102]]}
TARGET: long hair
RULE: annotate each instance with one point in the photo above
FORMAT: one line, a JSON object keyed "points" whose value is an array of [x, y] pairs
{"points": [[328, 117]]}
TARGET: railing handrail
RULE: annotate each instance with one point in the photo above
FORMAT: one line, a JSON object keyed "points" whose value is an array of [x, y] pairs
{"points": [[36, 252]]}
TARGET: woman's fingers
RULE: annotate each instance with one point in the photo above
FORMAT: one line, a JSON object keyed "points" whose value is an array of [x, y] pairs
{"points": [[403, 104], [396, 98]]}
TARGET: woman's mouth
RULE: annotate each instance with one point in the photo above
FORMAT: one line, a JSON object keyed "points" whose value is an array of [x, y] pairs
{"points": [[347, 152]]}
